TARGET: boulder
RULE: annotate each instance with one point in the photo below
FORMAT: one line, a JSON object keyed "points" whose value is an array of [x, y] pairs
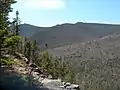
{"points": [[74, 86], [38, 70], [35, 74], [68, 84], [63, 83], [42, 76], [21, 56], [63, 87], [50, 76], [33, 65], [68, 87]]}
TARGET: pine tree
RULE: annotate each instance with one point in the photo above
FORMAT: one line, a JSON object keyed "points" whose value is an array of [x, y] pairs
{"points": [[35, 51], [16, 30], [6, 39], [25, 43], [28, 53], [16, 24], [46, 61], [20, 46]]}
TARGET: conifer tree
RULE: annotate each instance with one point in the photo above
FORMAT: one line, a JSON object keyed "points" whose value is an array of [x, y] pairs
{"points": [[25, 43], [28, 53], [6, 39], [35, 51]]}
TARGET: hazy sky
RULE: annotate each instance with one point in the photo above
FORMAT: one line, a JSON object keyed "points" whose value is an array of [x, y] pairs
{"points": [[52, 12]]}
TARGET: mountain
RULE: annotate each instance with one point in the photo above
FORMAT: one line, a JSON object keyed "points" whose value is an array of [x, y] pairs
{"points": [[29, 30], [109, 43], [97, 62], [67, 33]]}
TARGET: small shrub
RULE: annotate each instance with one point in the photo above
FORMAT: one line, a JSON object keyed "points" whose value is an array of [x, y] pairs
{"points": [[6, 61]]}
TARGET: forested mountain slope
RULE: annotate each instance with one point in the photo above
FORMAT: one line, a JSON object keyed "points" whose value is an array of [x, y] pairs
{"points": [[66, 34], [97, 62]]}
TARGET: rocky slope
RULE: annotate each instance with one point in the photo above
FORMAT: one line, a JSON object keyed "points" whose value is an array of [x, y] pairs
{"points": [[37, 79]]}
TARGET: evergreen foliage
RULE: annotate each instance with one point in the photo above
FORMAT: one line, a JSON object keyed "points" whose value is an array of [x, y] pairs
{"points": [[56, 67], [7, 39]]}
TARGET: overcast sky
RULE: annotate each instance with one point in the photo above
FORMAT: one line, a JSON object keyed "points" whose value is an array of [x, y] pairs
{"points": [[52, 12]]}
